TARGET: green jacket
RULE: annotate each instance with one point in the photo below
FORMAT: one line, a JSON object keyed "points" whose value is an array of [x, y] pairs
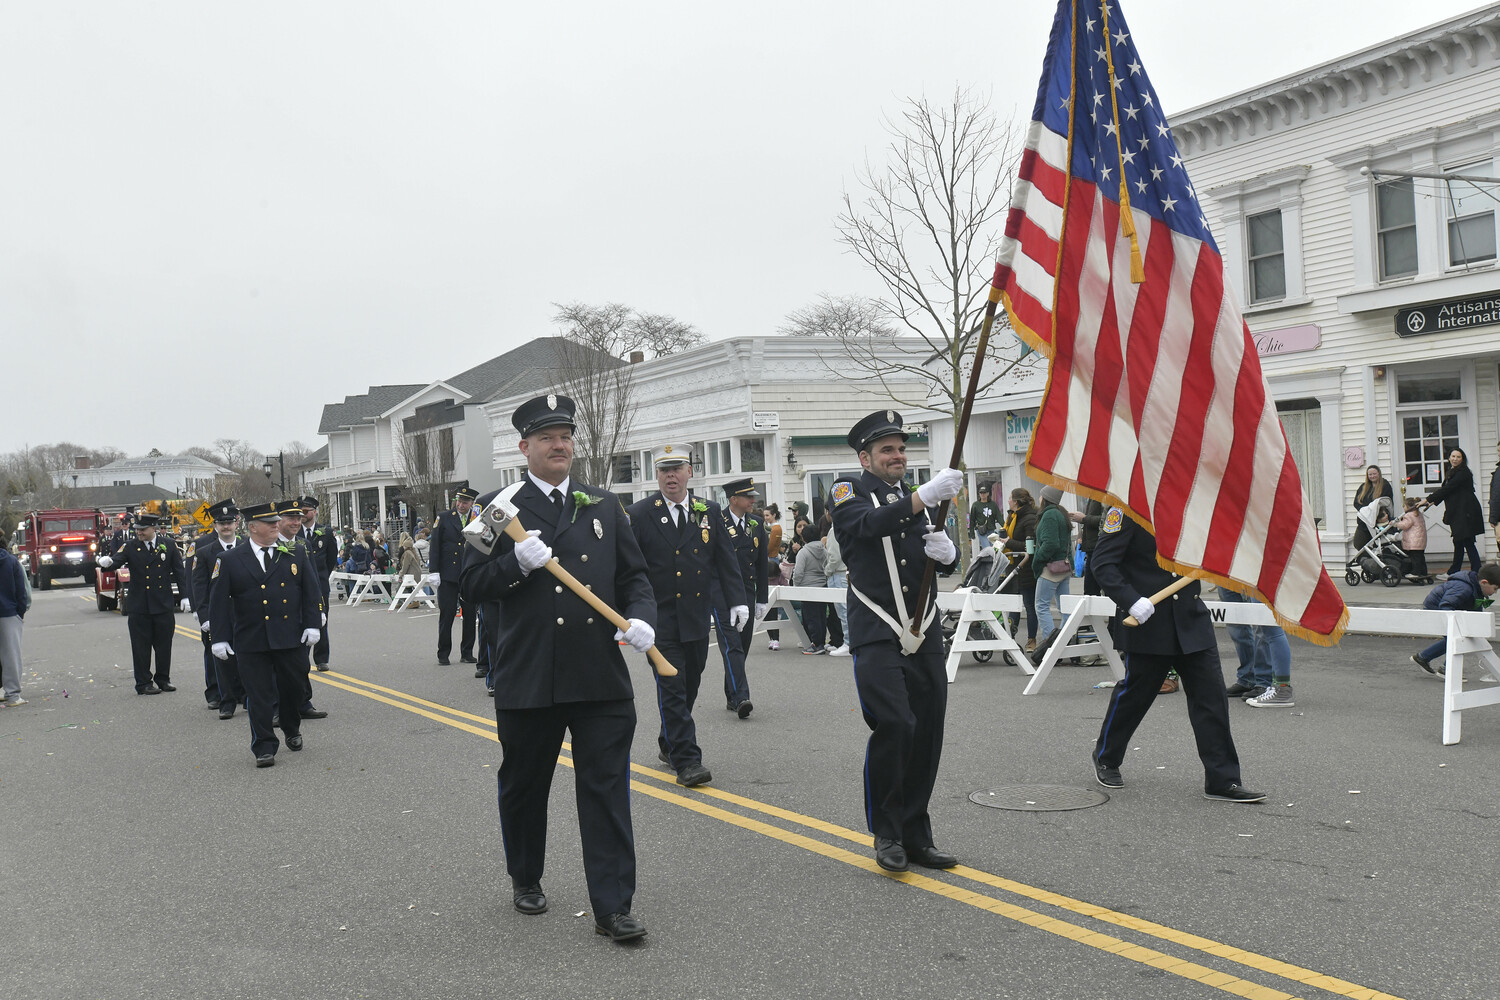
{"points": [[1053, 537]]}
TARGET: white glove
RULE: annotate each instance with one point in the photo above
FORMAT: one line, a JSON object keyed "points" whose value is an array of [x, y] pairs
{"points": [[310, 636], [221, 650], [187, 605], [944, 485], [205, 627], [105, 562], [640, 635], [433, 579], [325, 618], [1141, 610], [738, 616], [532, 553], [939, 547], [760, 611]]}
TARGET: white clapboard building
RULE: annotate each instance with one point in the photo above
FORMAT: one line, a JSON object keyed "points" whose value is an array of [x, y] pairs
{"points": [[1368, 270]]}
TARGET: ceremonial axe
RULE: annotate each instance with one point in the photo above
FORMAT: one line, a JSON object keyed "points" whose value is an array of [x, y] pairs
{"points": [[502, 517]]}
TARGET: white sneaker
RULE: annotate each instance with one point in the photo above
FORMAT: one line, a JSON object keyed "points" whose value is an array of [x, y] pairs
{"points": [[1275, 696], [13, 701], [840, 650], [774, 646]]}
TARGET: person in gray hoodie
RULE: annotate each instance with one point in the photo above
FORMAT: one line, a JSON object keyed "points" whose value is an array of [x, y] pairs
{"points": [[811, 570]]}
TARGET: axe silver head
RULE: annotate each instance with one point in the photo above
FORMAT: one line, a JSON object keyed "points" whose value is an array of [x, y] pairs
{"points": [[484, 530]]}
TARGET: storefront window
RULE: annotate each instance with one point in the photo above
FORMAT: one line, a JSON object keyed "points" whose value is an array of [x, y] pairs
{"points": [[1302, 422], [1428, 388], [1428, 439], [752, 454]]}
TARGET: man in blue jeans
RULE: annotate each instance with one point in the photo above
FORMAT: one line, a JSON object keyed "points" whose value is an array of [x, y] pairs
{"points": [[1264, 679]]}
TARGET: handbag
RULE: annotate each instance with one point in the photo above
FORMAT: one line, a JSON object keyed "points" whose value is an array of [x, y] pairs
{"points": [[1060, 566]]}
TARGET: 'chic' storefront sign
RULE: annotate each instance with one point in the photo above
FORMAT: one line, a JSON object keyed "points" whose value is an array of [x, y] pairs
{"points": [[1454, 314], [1288, 340]]}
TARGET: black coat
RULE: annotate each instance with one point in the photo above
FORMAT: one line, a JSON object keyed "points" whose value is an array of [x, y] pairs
{"points": [[1495, 495], [1461, 511], [1124, 561], [1363, 496], [152, 573], [205, 555], [750, 553], [551, 647], [323, 549], [1025, 531], [685, 563], [255, 611], [867, 509], [445, 552]]}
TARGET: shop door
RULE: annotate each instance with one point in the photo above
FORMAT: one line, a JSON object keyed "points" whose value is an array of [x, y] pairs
{"points": [[1427, 438]]}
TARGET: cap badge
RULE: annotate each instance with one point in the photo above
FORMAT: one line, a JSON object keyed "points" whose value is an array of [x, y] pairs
{"points": [[598, 529], [667, 450], [890, 415]]}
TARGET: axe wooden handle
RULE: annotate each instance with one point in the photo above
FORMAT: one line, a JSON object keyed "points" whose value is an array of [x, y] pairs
{"points": [[517, 531], [1162, 595]]}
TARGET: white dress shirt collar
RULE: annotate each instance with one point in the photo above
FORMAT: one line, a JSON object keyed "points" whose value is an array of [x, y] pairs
{"points": [[547, 488]]}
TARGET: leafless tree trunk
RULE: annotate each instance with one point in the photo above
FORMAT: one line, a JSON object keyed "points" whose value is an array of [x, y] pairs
{"points": [[601, 385], [929, 223], [427, 464]]}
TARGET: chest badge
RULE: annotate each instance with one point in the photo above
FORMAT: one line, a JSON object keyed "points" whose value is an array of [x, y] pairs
{"points": [[890, 498], [664, 519], [294, 569], [163, 557], [757, 543], [705, 534], [598, 529]]}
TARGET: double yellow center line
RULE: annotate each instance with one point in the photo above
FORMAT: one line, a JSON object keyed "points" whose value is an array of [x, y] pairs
{"points": [[662, 785]]}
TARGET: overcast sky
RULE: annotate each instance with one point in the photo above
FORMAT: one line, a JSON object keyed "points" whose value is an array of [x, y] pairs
{"points": [[216, 217]]}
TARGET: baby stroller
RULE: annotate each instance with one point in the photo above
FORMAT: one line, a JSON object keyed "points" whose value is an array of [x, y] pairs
{"points": [[1382, 557], [989, 574]]}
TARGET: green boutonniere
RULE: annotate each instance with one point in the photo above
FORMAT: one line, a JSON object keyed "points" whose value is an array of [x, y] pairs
{"points": [[699, 507], [754, 524], [582, 500], [281, 547]]}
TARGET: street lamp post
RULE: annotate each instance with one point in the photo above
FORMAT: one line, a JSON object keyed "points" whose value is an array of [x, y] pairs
{"points": [[280, 465]]}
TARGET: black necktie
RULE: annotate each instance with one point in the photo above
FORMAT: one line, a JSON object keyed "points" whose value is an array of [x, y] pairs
{"points": [[557, 501]]}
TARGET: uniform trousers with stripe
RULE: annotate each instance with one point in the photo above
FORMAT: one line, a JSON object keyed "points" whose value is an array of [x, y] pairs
{"points": [[675, 697], [273, 686], [1202, 678], [732, 647], [320, 651], [530, 739], [905, 701], [448, 606], [148, 633]]}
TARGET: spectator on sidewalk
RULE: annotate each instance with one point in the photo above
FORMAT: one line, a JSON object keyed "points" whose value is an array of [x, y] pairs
{"points": [[1495, 499], [1020, 539], [1373, 488], [411, 564], [1461, 511], [15, 601], [1414, 538], [1264, 677], [1053, 558], [812, 571], [984, 519], [1460, 592], [359, 555], [838, 579]]}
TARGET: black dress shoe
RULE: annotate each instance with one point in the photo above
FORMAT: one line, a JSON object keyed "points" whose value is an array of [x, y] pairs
{"points": [[620, 927], [661, 755], [490, 691], [214, 703], [1108, 776], [266, 760], [529, 899], [323, 667], [481, 672], [148, 689], [466, 658], [442, 661], [294, 742], [890, 855], [1236, 793], [931, 857], [165, 686], [313, 713], [745, 709], [693, 775], [226, 710]]}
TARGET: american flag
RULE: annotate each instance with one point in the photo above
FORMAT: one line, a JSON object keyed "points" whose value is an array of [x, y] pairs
{"points": [[1155, 399]]}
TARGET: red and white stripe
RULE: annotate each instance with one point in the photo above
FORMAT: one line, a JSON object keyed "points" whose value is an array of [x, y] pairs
{"points": [[1155, 397]]}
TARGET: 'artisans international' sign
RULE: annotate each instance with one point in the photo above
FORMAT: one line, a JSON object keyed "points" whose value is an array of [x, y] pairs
{"points": [[1455, 314]]}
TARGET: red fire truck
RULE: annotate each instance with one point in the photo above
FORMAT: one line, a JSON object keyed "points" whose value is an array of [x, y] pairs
{"points": [[55, 544]]}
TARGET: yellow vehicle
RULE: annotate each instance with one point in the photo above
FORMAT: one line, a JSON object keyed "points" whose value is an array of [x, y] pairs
{"points": [[185, 519]]}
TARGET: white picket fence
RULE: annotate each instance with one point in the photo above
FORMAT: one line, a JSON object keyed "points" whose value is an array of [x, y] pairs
{"points": [[1468, 634]]}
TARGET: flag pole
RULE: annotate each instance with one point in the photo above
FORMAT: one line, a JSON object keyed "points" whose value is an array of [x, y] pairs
{"points": [[930, 572]]}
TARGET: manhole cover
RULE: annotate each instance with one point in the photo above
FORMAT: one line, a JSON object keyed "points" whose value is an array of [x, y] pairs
{"points": [[1039, 798]]}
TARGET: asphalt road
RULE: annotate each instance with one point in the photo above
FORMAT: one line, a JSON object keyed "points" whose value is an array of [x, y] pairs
{"points": [[143, 855]]}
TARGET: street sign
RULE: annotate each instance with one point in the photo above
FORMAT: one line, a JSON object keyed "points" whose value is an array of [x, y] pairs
{"points": [[1453, 314], [765, 420], [402, 506]]}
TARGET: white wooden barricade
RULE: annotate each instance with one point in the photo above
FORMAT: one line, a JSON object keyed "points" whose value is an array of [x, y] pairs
{"points": [[782, 597], [1079, 610], [371, 587], [976, 607], [411, 590], [344, 582], [1468, 634]]}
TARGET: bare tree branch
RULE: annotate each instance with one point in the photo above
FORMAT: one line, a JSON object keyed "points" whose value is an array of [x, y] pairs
{"points": [[838, 316]]}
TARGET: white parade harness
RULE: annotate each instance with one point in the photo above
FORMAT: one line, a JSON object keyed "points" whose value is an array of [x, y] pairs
{"points": [[910, 642]]}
